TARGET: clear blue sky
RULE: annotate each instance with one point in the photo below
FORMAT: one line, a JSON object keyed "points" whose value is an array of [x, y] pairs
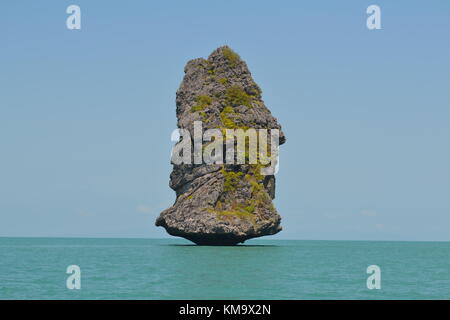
{"points": [[86, 116]]}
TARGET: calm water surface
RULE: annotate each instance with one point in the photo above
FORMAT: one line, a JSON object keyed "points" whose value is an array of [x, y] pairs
{"points": [[35, 268]]}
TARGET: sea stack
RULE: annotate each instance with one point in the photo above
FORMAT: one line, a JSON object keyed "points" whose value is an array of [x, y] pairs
{"points": [[221, 204]]}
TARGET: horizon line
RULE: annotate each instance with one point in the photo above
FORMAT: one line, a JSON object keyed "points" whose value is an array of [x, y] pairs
{"points": [[180, 238]]}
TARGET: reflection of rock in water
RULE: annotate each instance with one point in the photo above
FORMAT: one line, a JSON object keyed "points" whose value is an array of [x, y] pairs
{"points": [[221, 204]]}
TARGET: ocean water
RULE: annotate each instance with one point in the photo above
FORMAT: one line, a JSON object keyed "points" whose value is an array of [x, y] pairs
{"points": [[35, 268]]}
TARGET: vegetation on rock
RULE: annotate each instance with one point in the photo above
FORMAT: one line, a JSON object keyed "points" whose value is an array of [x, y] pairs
{"points": [[202, 102], [232, 57], [236, 96]]}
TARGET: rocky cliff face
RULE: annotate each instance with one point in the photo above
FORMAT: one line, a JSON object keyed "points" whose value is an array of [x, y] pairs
{"points": [[221, 204]]}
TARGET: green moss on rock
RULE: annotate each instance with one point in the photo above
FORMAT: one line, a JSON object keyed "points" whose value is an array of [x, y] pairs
{"points": [[231, 179], [236, 96], [202, 102], [232, 57], [244, 211], [226, 120]]}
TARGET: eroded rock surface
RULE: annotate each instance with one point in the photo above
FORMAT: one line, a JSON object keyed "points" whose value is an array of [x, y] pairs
{"points": [[221, 204]]}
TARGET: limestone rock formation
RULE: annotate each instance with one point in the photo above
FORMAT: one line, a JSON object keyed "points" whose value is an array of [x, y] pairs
{"points": [[221, 204]]}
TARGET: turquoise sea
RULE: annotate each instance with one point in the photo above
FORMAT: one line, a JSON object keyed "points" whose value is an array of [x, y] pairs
{"points": [[35, 268]]}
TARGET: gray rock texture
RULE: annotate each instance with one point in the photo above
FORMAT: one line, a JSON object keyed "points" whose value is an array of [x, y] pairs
{"points": [[221, 204]]}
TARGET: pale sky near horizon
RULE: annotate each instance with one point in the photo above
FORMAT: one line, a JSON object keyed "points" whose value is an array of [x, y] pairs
{"points": [[86, 115]]}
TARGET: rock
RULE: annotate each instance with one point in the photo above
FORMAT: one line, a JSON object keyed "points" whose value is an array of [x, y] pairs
{"points": [[221, 204]]}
